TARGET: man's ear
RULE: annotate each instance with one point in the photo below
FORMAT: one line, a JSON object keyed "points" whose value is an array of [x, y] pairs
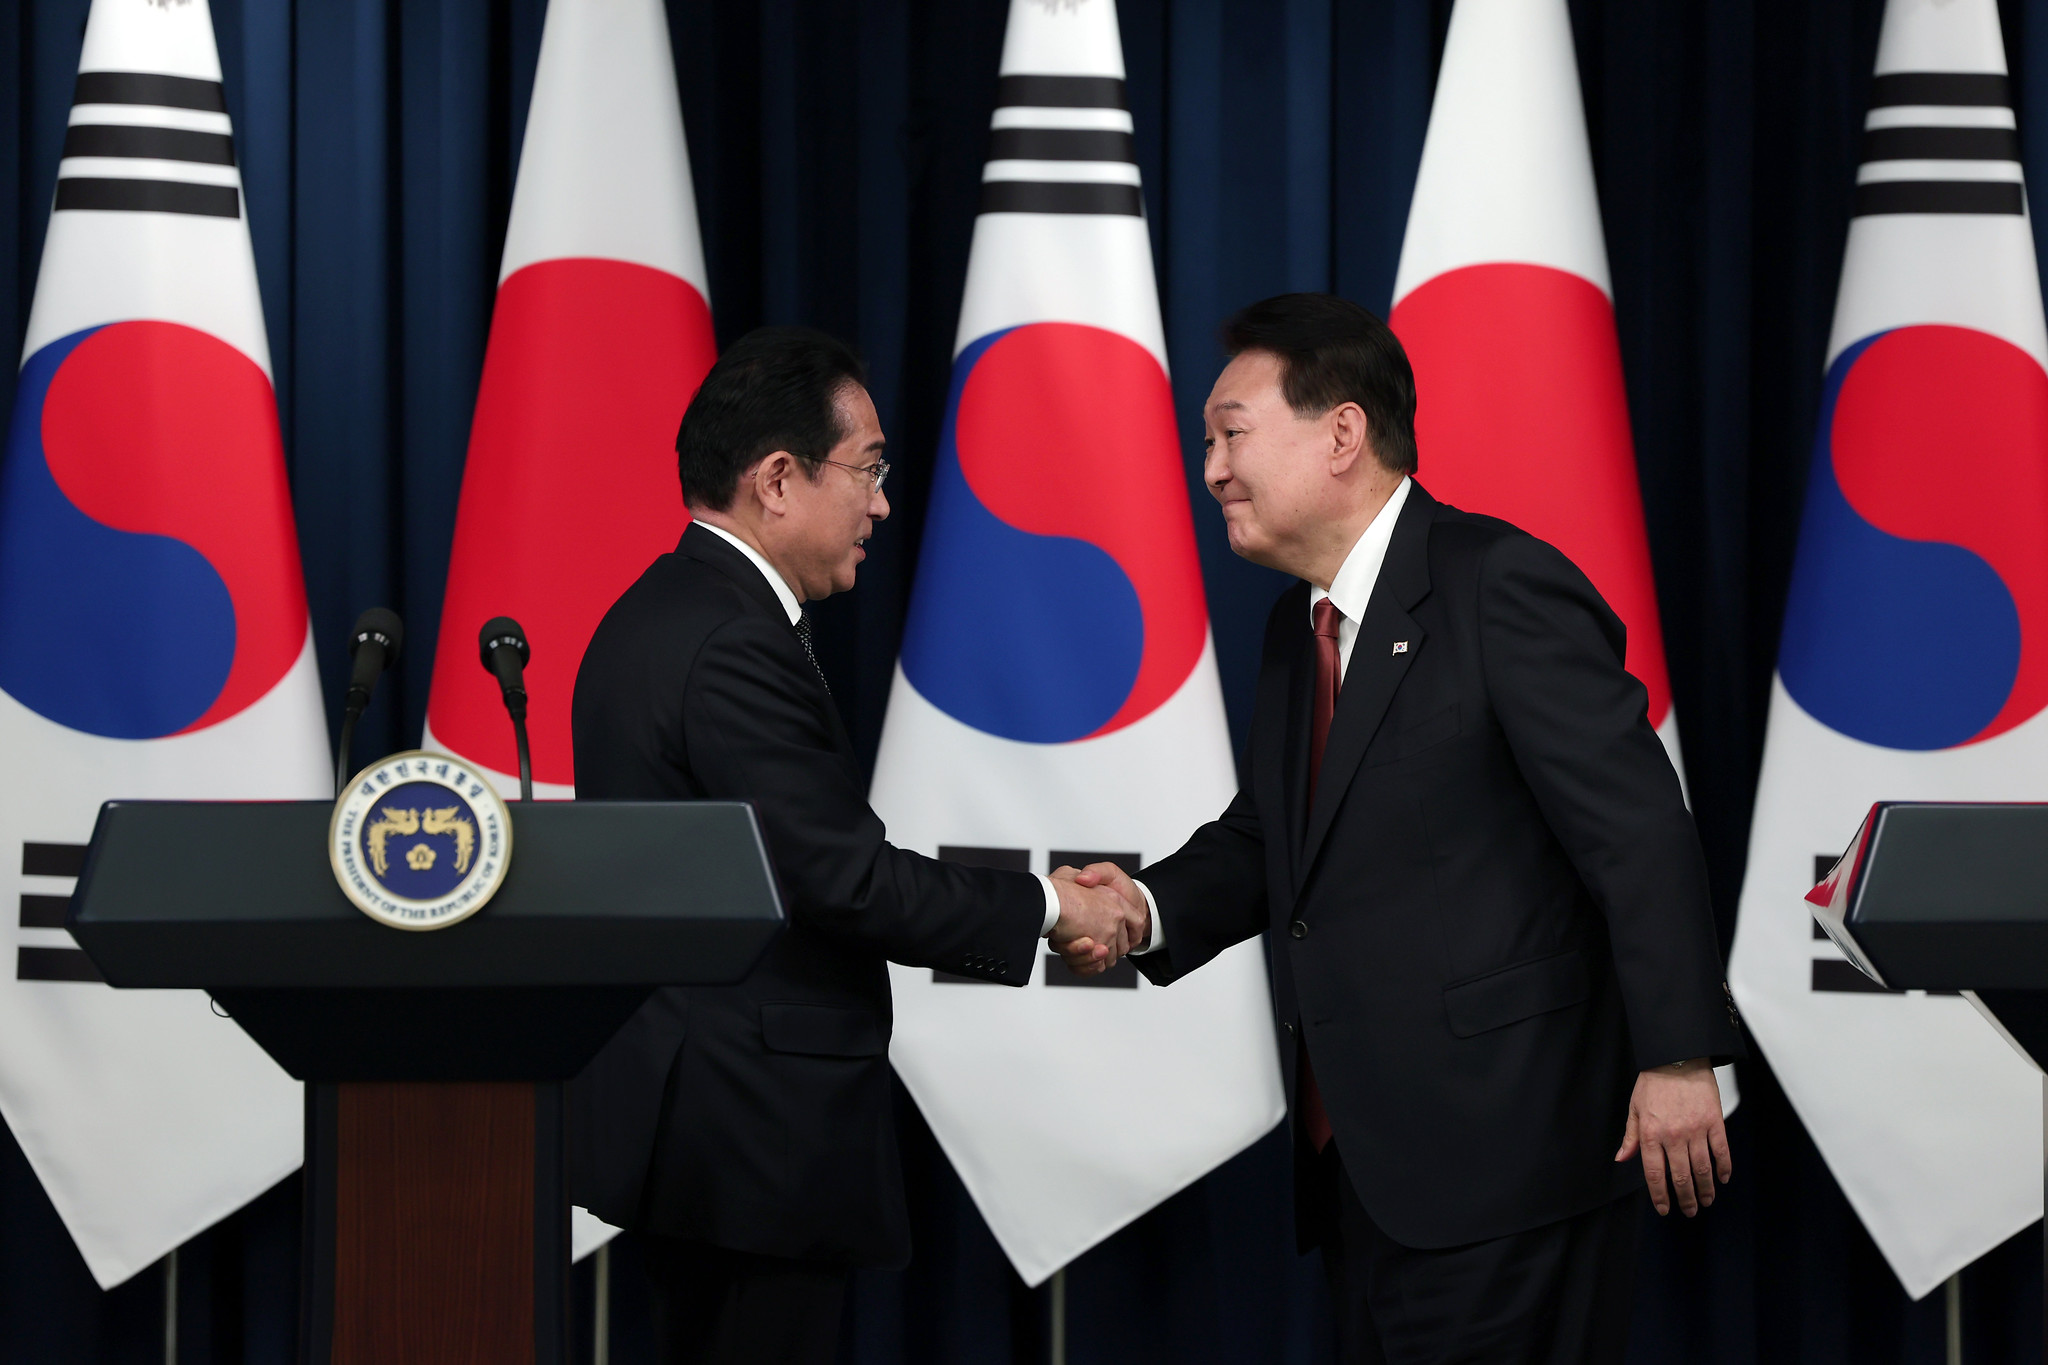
{"points": [[771, 479], [1350, 438]]}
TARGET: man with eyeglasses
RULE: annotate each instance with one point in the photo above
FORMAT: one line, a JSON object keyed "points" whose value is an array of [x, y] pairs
{"points": [[745, 1132]]}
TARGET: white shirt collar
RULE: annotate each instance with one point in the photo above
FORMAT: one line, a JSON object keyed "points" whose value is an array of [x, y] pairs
{"points": [[775, 580], [1352, 588]]}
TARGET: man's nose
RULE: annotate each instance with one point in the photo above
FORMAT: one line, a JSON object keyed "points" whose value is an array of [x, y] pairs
{"points": [[1215, 471], [878, 506]]}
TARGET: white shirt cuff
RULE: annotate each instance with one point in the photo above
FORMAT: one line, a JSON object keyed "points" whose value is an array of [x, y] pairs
{"points": [[1052, 906], [1157, 938]]}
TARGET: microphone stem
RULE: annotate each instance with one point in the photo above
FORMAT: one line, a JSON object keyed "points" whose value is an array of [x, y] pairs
{"points": [[525, 755], [349, 716]]}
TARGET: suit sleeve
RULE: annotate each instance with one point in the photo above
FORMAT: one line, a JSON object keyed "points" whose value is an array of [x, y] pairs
{"points": [[1578, 724], [754, 728], [1211, 894]]}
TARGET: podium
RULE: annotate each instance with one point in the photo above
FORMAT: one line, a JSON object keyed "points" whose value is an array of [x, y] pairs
{"points": [[437, 1213], [1952, 896]]}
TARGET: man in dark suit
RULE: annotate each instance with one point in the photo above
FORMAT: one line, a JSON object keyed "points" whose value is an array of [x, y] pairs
{"points": [[1493, 956], [745, 1132]]}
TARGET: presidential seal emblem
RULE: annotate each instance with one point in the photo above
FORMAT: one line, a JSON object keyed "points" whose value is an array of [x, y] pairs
{"points": [[419, 840]]}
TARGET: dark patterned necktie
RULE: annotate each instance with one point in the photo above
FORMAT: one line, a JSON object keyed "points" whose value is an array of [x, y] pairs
{"points": [[803, 633], [1329, 677], [1315, 1121]]}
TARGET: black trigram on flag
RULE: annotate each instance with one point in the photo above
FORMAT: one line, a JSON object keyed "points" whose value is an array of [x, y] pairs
{"points": [[1940, 142], [55, 868], [143, 142], [1061, 144]]}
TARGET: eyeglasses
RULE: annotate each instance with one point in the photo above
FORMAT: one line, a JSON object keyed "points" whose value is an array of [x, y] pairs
{"points": [[875, 472]]}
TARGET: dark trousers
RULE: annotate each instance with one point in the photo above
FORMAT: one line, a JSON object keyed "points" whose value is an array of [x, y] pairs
{"points": [[1559, 1294], [718, 1307]]}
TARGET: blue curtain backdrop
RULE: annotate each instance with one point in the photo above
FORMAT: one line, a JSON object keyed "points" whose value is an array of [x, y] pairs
{"points": [[837, 147]]}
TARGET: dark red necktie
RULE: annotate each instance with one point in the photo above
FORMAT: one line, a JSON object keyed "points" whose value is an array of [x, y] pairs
{"points": [[1329, 677]]}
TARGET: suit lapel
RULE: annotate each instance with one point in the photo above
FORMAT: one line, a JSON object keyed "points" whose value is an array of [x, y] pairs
{"points": [[711, 548], [1379, 661]]}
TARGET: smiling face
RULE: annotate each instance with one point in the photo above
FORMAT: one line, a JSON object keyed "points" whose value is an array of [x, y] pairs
{"points": [[1296, 491], [822, 533]]}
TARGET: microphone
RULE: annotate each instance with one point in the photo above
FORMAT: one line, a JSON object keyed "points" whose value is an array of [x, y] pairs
{"points": [[374, 646], [502, 647]]}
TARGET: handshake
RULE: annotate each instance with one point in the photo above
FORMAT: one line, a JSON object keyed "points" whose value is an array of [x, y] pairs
{"points": [[1103, 915]]}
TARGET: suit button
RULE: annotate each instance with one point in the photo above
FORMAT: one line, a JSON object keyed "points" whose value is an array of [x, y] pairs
{"points": [[1298, 929], [1289, 1026]]}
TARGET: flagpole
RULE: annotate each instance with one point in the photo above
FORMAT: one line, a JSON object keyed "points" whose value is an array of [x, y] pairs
{"points": [[171, 1307], [1059, 1317], [601, 1306], [1955, 1318]]}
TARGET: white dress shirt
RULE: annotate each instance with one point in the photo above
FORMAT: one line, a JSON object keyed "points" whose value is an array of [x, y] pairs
{"points": [[795, 609], [1351, 590], [783, 593]]}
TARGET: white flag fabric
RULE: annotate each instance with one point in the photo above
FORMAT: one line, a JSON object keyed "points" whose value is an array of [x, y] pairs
{"points": [[154, 641], [600, 335], [1504, 305], [1057, 699], [1914, 659]]}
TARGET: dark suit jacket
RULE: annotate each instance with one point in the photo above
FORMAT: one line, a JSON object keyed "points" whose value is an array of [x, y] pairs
{"points": [[757, 1117], [1495, 912]]}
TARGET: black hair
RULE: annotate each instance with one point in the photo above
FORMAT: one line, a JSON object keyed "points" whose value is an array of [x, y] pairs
{"points": [[776, 388], [1332, 351]]}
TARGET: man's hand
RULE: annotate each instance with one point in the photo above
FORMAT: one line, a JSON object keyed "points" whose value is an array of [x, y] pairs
{"points": [[1674, 1119], [1090, 934], [1137, 914]]}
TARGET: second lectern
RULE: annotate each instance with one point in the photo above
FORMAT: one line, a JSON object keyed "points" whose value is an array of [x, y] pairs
{"points": [[437, 1215], [1951, 895]]}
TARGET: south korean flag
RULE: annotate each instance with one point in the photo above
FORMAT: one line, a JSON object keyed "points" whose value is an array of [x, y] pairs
{"points": [[1057, 698]]}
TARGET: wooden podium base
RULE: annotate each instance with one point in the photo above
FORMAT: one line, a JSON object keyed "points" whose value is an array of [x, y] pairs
{"points": [[437, 1225]]}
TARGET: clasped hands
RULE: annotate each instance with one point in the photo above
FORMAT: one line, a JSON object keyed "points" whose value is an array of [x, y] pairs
{"points": [[1103, 915]]}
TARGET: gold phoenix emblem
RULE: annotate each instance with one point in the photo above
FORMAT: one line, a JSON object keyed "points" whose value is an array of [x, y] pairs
{"points": [[394, 823], [377, 829], [450, 820]]}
